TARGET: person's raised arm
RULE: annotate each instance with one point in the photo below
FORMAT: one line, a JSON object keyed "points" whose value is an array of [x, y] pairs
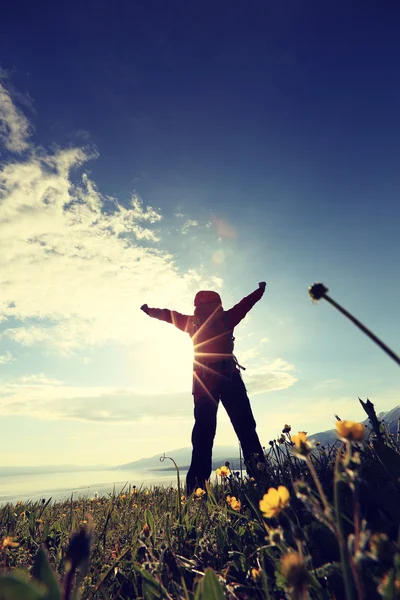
{"points": [[170, 316], [235, 314]]}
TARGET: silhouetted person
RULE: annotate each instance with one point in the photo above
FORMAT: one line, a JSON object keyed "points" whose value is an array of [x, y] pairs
{"points": [[216, 376]]}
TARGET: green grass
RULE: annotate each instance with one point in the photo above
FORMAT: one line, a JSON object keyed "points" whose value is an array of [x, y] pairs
{"points": [[336, 538]]}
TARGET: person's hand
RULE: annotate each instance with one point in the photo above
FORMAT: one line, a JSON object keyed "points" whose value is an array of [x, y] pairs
{"points": [[144, 308], [262, 285]]}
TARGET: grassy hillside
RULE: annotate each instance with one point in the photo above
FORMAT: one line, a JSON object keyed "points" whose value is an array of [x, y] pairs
{"points": [[320, 524]]}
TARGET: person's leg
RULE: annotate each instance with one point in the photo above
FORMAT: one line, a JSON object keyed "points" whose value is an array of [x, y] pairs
{"points": [[205, 414], [236, 403]]}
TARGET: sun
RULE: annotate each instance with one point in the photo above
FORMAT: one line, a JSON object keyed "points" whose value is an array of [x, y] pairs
{"points": [[171, 361]]}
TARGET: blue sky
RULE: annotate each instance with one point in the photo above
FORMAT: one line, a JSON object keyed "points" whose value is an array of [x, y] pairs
{"points": [[151, 149]]}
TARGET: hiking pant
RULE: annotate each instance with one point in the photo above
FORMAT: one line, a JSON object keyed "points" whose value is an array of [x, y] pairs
{"points": [[231, 390]]}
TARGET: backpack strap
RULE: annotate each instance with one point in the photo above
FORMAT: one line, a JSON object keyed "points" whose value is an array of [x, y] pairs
{"points": [[237, 363], [235, 360]]}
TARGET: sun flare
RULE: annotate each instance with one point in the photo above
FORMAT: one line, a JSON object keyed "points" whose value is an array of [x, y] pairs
{"points": [[170, 367]]}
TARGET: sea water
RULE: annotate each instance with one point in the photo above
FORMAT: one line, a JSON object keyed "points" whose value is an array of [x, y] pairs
{"points": [[60, 486]]}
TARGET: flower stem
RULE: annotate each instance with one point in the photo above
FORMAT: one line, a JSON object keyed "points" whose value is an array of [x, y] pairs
{"points": [[321, 492], [323, 294], [344, 553], [162, 458]]}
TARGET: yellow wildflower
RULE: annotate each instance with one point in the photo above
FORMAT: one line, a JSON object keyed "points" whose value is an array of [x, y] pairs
{"points": [[303, 446], [349, 430], [256, 574], [223, 471], [8, 542], [199, 493], [235, 503], [274, 501], [294, 571], [301, 437]]}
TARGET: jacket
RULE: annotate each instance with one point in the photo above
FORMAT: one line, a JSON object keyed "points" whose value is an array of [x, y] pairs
{"points": [[210, 327]]}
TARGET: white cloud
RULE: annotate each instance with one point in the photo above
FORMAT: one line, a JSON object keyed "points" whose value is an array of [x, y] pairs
{"points": [[248, 354], [245, 336], [27, 336], [73, 273], [6, 358], [279, 364], [14, 126], [40, 379], [188, 225], [269, 377], [45, 398], [75, 267]]}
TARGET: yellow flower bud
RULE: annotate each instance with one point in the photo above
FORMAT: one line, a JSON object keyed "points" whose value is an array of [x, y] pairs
{"points": [[350, 430]]}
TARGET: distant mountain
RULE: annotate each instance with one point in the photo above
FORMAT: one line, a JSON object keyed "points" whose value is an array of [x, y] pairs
{"points": [[221, 454], [390, 418], [182, 457]]}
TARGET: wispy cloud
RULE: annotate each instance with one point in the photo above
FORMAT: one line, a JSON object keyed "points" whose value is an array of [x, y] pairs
{"points": [[188, 225], [15, 128], [40, 379], [249, 354], [74, 265], [45, 398], [6, 358], [268, 377]]}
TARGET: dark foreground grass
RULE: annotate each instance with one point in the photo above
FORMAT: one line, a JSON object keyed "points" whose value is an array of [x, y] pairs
{"points": [[329, 530]]}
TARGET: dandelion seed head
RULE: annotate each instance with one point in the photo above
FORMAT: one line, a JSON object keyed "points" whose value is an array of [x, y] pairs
{"points": [[317, 291]]}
